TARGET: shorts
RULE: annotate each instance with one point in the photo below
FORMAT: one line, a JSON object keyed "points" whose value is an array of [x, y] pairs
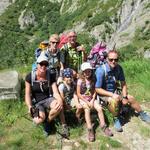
{"points": [[84, 103], [44, 104], [103, 100]]}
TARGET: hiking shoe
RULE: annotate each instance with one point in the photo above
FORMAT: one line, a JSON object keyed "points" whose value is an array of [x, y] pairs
{"points": [[46, 127], [117, 125], [107, 131], [65, 131], [144, 116], [91, 135]]}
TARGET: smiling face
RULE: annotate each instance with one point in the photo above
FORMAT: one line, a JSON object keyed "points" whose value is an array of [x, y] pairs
{"points": [[87, 73], [53, 42], [42, 66], [112, 59], [72, 37]]}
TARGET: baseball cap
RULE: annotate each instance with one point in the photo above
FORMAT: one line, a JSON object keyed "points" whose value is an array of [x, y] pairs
{"points": [[86, 65], [67, 73], [42, 57]]}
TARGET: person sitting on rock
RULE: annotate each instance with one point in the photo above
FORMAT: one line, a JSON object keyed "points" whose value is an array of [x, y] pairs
{"points": [[87, 98], [108, 77], [41, 93], [67, 90]]}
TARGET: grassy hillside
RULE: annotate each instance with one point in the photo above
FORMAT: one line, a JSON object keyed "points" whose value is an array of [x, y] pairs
{"points": [[17, 45]]}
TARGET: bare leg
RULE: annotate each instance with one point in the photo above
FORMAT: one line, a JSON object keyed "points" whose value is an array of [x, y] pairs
{"points": [[98, 108], [55, 110], [134, 104]]}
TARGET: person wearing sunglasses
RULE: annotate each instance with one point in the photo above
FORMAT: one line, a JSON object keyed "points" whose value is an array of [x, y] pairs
{"points": [[55, 56], [112, 89], [41, 93]]}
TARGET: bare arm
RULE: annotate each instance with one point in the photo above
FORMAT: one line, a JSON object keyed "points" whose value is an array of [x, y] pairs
{"points": [[56, 93], [124, 88], [28, 95], [103, 92]]}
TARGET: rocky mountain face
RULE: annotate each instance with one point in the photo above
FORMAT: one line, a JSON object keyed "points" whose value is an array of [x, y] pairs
{"points": [[115, 22]]}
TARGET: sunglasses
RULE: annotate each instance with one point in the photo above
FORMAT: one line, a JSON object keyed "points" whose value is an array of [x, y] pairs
{"points": [[43, 64], [111, 59], [54, 42]]}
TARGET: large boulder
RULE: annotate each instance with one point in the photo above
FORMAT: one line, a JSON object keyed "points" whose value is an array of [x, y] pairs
{"points": [[9, 85]]}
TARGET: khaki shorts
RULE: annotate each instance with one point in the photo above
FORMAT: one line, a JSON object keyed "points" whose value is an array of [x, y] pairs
{"points": [[82, 103]]}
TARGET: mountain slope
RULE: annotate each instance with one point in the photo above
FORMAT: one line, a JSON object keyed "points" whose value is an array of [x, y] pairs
{"points": [[25, 23]]}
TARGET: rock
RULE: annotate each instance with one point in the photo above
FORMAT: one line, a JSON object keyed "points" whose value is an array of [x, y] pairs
{"points": [[26, 19], [147, 54], [9, 85]]}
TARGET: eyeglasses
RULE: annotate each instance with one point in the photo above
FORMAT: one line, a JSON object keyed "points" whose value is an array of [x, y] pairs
{"points": [[43, 64], [53, 42], [113, 59]]}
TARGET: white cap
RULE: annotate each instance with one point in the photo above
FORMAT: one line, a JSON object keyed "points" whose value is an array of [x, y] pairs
{"points": [[41, 58], [86, 65]]}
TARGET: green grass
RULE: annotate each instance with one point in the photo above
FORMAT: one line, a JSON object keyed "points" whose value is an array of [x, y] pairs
{"points": [[145, 131]]}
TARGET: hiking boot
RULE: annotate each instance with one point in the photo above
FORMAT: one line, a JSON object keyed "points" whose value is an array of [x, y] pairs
{"points": [[144, 116], [107, 131], [46, 127], [65, 131], [117, 125], [91, 135]]}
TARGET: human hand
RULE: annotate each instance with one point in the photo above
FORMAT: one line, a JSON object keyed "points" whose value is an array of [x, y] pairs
{"points": [[80, 48], [116, 96], [58, 106], [59, 80], [79, 106], [124, 101], [91, 104]]}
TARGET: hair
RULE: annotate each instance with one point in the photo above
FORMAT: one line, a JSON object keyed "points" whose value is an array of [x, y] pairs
{"points": [[72, 32], [82, 77], [55, 36], [112, 51]]}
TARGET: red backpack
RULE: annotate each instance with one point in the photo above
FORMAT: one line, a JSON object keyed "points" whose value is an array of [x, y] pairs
{"points": [[63, 40]]}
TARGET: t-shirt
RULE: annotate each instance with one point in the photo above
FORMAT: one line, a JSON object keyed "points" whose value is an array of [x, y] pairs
{"points": [[71, 56], [68, 91], [87, 88], [40, 90], [54, 59], [108, 78]]}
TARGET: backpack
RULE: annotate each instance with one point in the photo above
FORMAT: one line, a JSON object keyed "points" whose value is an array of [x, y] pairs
{"points": [[63, 40], [97, 54], [43, 46], [33, 80]]}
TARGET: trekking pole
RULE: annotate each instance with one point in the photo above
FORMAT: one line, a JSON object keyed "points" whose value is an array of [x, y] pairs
{"points": [[79, 60]]}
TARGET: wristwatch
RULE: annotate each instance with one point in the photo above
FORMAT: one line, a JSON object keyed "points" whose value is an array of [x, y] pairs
{"points": [[125, 97]]}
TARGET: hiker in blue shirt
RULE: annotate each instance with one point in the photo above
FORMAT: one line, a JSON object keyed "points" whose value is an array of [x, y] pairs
{"points": [[108, 78]]}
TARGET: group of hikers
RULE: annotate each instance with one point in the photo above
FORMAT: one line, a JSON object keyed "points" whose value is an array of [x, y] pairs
{"points": [[63, 79]]}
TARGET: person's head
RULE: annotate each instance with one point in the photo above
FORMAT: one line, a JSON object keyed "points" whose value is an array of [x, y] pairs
{"points": [[112, 58], [72, 37], [68, 75], [54, 41], [42, 63], [86, 69]]}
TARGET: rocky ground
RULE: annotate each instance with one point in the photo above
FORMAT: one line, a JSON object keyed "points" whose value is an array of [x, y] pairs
{"points": [[135, 136]]}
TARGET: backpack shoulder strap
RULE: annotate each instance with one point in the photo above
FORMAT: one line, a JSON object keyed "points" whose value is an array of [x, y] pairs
{"points": [[105, 71], [33, 76]]}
